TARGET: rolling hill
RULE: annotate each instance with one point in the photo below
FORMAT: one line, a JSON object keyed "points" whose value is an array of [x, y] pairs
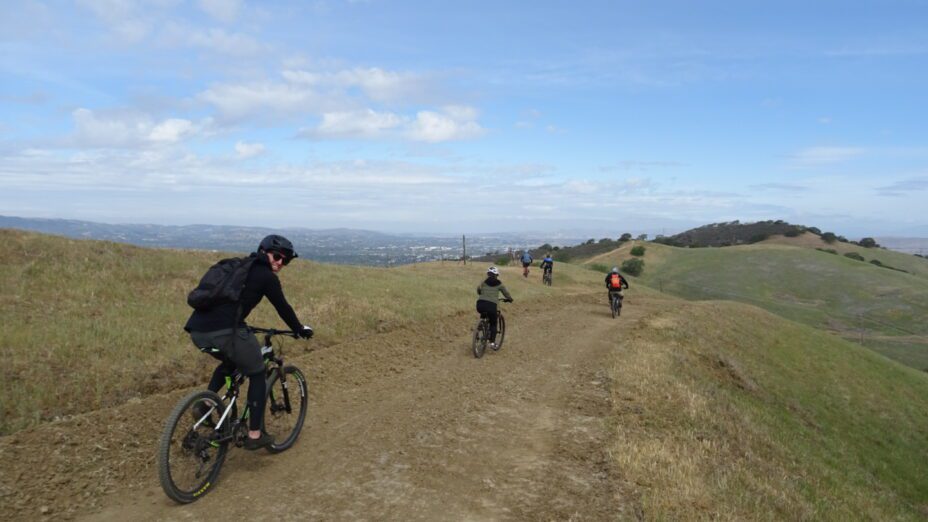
{"points": [[881, 308]]}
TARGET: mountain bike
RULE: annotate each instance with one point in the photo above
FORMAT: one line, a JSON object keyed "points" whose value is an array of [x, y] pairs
{"points": [[482, 334], [199, 430], [615, 303], [546, 277]]}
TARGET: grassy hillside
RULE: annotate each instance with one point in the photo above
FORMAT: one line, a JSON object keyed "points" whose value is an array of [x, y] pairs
{"points": [[884, 309], [745, 416], [908, 262], [87, 324]]}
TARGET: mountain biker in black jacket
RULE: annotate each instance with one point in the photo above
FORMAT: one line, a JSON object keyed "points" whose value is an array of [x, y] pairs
{"points": [[488, 300], [613, 290], [238, 347]]}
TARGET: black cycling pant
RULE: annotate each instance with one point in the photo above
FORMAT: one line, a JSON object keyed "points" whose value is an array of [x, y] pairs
{"points": [[257, 390], [489, 311], [237, 348]]}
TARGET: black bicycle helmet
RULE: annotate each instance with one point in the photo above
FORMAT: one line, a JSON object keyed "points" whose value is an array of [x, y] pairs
{"points": [[275, 243]]}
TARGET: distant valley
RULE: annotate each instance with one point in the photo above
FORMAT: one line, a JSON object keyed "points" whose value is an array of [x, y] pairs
{"points": [[342, 246]]}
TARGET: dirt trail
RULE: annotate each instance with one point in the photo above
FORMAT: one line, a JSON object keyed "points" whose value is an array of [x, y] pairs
{"points": [[409, 426]]}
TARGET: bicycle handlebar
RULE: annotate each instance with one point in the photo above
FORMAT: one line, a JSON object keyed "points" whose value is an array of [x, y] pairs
{"points": [[272, 331]]}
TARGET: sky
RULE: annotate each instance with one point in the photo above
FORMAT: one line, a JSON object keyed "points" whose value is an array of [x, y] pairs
{"points": [[478, 116]]}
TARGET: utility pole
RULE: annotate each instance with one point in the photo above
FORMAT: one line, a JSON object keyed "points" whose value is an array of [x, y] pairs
{"points": [[464, 247]]}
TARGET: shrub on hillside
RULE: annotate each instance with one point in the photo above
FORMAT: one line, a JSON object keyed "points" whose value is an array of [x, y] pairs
{"points": [[868, 242], [633, 266], [792, 232], [637, 251], [829, 250], [878, 263], [561, 256], [626, 237], [854, 255], [642, 237], [599, 267], [502, 261], [829, 237]]}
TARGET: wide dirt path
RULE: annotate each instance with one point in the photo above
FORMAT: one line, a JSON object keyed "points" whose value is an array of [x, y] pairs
{"points": [[409, 426]]}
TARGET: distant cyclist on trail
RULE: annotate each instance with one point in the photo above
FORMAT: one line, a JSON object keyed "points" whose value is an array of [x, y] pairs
{"points": [[488, 300], [547, 264], [615, 282], [220, 330], [526, 262]]}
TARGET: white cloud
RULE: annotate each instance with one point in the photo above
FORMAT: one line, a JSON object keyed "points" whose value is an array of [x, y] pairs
{"points": [[218, 40], [122, 16], [222, 10], [377, 84], [248, 150], [132, 130], [454, 123], [826, 155], [260, 99], [364, 124]]}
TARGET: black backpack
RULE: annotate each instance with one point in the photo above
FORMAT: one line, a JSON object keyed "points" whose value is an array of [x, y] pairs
{"points": [[222, 283]]}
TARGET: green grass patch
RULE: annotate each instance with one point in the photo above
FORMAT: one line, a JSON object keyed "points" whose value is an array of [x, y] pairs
{"points": [[745, 416]]}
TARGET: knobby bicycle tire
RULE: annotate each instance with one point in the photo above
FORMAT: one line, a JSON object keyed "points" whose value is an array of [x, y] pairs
{"points": [[481, 332], [287, 402], [615, 309], [183, 447], [500, 332]]}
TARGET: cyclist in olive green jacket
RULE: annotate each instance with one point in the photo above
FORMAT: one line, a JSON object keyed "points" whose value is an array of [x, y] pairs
{"points": [[488, 300]]}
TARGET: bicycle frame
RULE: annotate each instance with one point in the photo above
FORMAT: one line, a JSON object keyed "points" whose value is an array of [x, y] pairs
{"points": [[234, 382]]}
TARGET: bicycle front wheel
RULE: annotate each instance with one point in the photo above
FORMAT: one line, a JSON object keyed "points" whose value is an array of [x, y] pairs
{"points": [[480, 338], [189, 455], [500, 332], [287, 401]]}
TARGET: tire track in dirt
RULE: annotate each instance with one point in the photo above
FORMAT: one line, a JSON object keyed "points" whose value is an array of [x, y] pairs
{"points": [[409, 426]]}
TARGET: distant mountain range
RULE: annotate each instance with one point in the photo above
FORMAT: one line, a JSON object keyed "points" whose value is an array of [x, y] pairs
{"points": [[346, 246]]}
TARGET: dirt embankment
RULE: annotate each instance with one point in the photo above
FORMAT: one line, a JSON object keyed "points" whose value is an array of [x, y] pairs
{"points": [[405, 425]]}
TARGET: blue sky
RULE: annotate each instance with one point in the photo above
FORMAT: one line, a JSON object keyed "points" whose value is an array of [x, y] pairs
{"points": [[476, 116]]}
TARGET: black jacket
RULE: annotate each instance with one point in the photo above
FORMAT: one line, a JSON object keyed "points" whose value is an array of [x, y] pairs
{"points": [[261, 282]]}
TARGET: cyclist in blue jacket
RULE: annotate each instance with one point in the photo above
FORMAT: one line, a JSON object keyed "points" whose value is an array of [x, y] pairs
{"points": [[526, 262]]}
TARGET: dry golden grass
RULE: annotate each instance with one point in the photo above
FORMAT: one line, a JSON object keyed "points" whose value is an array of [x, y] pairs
{"points": [[89, 324]]}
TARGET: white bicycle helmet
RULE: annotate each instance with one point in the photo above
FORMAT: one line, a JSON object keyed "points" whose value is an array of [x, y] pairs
{"points": [[615, 270], [493, 270]]}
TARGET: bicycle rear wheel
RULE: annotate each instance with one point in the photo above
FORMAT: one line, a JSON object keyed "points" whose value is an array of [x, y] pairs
{"points": [[287, 401], [500, 332], [614, 306], [481, 331], [189, 456]]}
